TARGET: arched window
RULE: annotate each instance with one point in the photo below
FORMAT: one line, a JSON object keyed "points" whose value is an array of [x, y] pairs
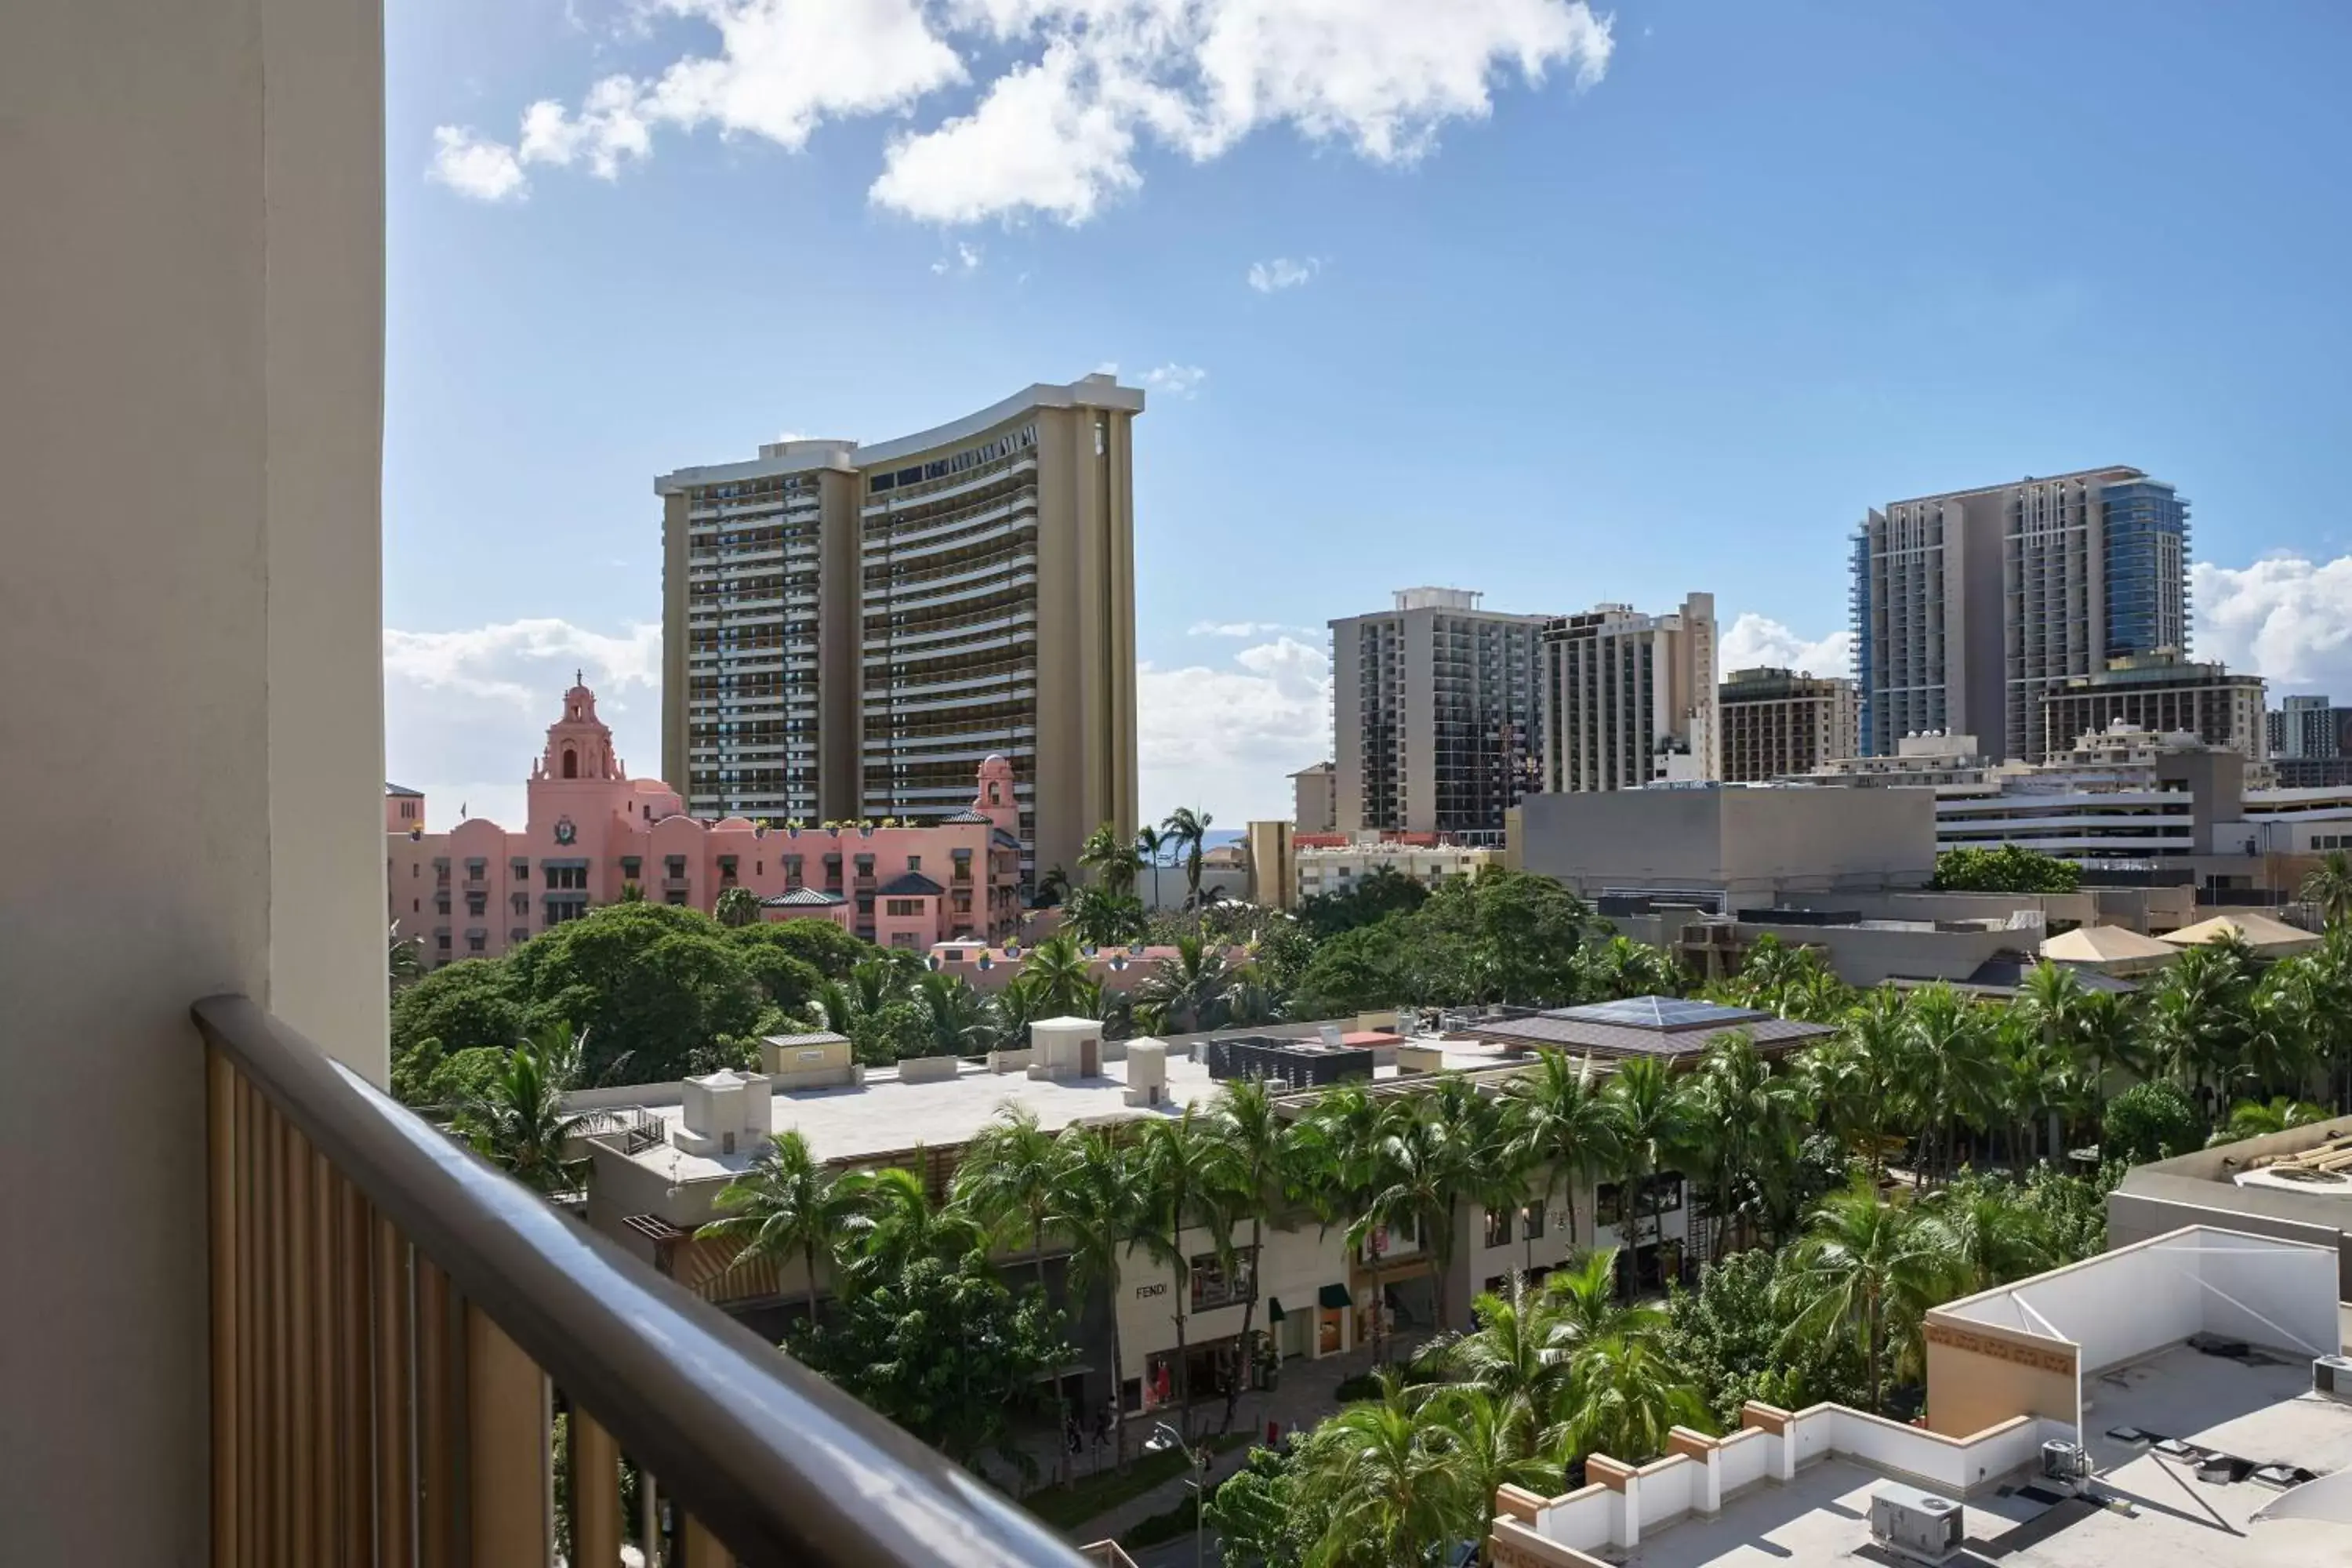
{"points": [[570, 763]]}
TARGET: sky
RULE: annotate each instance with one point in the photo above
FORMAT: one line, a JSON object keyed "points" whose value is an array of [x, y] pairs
{"points": [[1559, 303]]}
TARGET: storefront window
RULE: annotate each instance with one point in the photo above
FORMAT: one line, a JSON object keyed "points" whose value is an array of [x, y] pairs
{"points": [[1213, 1287], [1498, 1227], [1532, 1217]]}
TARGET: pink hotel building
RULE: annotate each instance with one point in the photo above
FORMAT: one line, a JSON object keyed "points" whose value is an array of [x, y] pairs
{"points": [[479, 890]]}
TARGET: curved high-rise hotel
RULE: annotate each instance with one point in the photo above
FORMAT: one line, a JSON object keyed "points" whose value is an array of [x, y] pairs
{"points": [[847, 629]]}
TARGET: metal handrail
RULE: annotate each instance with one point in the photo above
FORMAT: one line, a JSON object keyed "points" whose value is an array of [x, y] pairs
{"points": [[777, 1463]]}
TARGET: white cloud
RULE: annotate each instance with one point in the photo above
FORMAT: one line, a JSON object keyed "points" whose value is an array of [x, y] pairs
{"points": [[967, 258], [473, 167], [1281, 272], [1228, 737], [783, 67], [1084, 84], [2285, 618], [1176, 380], [465, 712], [1754, 640]]}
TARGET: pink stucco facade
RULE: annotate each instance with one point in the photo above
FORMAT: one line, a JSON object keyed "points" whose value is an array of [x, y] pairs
{"points": [[479, 889]]}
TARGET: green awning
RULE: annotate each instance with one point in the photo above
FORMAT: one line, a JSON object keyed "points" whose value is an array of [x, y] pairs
{"points": [[1274, 1312], [1334, 1297]]}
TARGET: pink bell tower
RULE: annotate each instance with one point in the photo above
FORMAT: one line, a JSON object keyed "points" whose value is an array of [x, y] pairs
{"points": [[994, 799], [579, 746]]}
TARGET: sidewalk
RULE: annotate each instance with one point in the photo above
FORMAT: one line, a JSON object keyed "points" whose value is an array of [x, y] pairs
{"points": [[1307, 1393]]}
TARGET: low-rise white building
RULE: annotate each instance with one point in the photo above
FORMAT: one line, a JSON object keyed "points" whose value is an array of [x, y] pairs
{"points": [[1328, 868], [664, 1153]]}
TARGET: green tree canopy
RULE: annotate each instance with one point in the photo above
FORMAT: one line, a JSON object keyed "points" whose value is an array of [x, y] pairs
{"points": [[2151, 1121], [2011, 869]]}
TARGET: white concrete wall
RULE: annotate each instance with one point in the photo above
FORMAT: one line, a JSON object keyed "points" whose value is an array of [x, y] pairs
{"points": [[2128, 1303], [190, 410], [1746, 1458], [1954, 1464], [1670, 1488]]}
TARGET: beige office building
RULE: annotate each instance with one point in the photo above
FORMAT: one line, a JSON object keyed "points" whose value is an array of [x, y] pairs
{"points": [[1781, 722], [849, 630], [1967, 607], [1435, 718], [1630, 699]]}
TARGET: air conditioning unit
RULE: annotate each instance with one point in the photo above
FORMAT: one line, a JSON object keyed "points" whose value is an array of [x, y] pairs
{"points": [[2332, 1375], [1913, 1523], [2064, 1461]]}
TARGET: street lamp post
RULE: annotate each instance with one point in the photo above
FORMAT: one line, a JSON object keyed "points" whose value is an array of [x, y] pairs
{"points": [[1198, 1458]]}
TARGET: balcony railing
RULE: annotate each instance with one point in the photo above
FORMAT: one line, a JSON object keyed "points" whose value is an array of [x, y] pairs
{"points": [[393, 1324]]}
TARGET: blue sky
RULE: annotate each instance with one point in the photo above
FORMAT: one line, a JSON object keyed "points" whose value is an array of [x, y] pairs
{"points": [[1565, 305]]}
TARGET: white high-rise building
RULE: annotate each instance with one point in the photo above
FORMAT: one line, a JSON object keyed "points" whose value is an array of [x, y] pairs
{"points": [[1631, 700]]}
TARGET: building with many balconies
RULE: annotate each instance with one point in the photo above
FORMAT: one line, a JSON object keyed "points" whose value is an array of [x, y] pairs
{"points": [[1436, 723], [1967, 606], [1630, 698], [848, 630], [1779, 722]]}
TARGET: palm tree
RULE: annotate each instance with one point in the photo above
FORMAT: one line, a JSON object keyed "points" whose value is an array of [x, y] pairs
{"points": [[1421, 1166], [2194, 1022], [1628, 1396], [897, 1224], [787, 1203], [1483, 1442], [1338, 1171], [1866, 1267], [1100, 916], [1657, 1129], [1180, 1169], [1006, 1182], [1149, 848], [1252, 1170], [957, 1019], [2259, 1119], [1567, 1124], [1114, 861], [1754, 1117], [1098, 1203], [1006, 1179], [1995, 1237], [1387, 1496], [1580, 1303], [1867, 1083], [2282, 1030], [2107, 1038], [1057, 974], [2329, 885], [516, 1121], [1953, 1068], [737, 907], [1187, 831], [400, 963], [1185, 992], [1514, 1353]]}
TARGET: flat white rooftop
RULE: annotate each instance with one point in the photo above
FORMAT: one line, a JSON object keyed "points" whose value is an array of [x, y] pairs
{"points": [[887, 1117], [2258, 1413]]}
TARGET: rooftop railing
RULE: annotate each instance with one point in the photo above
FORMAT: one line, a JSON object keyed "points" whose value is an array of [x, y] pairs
{"points": [[394, 1325]]}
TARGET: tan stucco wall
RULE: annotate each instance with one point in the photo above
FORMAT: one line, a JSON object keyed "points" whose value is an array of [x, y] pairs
{"points": [[1980, 1377], [190, 412]]}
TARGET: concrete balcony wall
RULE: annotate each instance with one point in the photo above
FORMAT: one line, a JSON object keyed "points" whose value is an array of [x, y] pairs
{"points": [[190, 372]]}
